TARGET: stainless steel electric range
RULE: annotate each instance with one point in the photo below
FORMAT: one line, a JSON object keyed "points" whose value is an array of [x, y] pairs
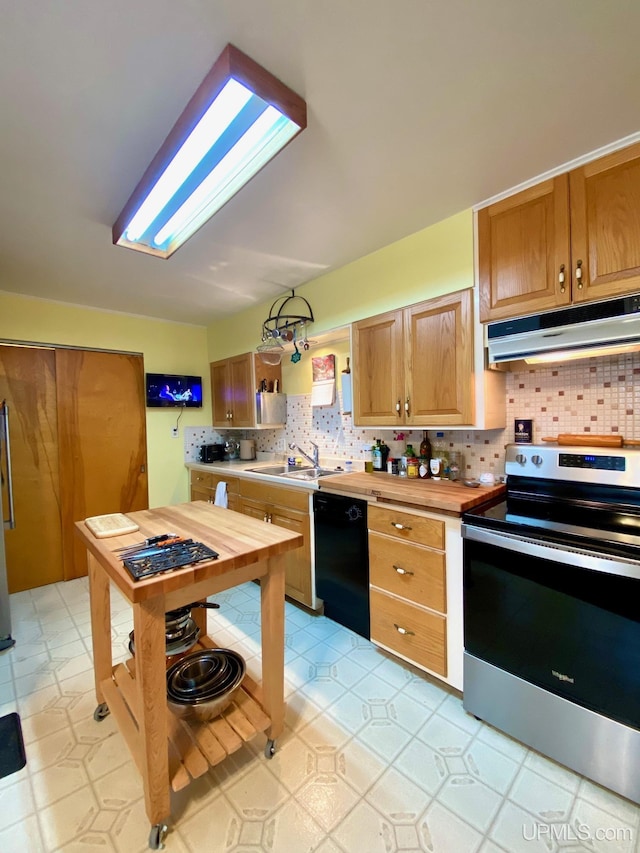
{"points": [[552, 609]]}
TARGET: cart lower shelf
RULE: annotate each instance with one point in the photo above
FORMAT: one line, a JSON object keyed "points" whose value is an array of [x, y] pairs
{"points": [[194, 746]]}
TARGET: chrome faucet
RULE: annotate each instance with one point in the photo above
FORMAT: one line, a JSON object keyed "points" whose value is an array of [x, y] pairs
{"points": [[315, 459]]}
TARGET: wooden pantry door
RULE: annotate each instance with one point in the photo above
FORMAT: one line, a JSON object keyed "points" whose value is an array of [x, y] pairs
{"points": [[103, 443], [34, 546]]}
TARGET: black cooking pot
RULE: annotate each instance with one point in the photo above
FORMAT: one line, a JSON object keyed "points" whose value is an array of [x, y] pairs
{"points": [[211, 453]]}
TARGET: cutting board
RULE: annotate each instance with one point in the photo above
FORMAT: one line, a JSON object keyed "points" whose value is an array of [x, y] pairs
{"points": [[116, 524]]}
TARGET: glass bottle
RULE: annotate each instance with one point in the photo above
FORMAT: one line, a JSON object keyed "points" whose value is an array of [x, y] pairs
{"points": [[439, 452], [408, 454], [376, 455], [425, 453]]}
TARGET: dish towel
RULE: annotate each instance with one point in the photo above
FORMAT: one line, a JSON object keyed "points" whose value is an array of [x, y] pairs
{"points": [[221, 495], [323, 393]]}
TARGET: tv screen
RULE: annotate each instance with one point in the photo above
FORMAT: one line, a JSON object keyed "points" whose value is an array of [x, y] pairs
{"points": [[168, 389]]}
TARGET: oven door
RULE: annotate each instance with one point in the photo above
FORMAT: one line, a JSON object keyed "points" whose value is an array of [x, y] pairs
{"points": [[563, 619]]}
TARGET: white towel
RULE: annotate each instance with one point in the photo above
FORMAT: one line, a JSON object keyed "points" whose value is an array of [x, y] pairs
{"points": [[346, 393], [323, 393], [221, 495]]}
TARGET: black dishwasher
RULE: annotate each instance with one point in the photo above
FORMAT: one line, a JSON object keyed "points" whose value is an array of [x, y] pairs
{"points": [[342, 559]]}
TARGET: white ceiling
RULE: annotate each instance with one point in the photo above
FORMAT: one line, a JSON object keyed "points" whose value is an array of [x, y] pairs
{"points": [[417, 109]]}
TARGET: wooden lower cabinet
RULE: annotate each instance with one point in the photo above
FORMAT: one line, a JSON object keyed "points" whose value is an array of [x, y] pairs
{"points": [[408, 586], [417, 634], [288, 508]]}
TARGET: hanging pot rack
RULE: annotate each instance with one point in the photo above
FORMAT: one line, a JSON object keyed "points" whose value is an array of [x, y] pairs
{"points": [[283, 318]]}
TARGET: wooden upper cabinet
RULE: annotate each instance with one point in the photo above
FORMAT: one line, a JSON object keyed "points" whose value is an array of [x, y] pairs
{"points": [[574, 238], [232, 392], [378, 380], [605, 225], [234, 382], [439, 366], [414, 367]]}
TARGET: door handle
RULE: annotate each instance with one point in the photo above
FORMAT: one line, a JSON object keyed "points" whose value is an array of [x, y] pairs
{"points": [[399, 526]]}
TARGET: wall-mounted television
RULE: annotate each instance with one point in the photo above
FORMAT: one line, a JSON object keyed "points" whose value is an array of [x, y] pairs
{"points": [[170, 389]]}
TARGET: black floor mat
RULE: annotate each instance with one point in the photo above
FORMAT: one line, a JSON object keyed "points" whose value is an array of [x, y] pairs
{"points": [[12, 754]]}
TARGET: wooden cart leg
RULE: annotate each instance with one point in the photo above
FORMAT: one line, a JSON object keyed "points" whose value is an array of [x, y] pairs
{"points": [[151, 688], [272, 621], [100, 605]]}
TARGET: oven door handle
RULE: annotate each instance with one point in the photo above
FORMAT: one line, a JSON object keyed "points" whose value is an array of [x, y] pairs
{"points": [[579, 558]]}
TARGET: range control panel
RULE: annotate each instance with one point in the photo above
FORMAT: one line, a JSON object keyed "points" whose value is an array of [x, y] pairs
{"points": [[602, 465], [592, 460]]}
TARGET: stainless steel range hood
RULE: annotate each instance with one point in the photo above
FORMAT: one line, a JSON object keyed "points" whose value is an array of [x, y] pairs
{"points": [[597, 328]]}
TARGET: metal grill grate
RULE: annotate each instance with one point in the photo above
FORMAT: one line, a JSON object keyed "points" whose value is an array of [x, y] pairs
{"points": [[155, 561]]}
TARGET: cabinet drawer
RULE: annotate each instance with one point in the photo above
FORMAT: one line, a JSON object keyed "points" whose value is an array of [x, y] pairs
{"points": [[201, 479], [410, 528], [408, 570], [425, 639], [293, 498], [233, 483]]}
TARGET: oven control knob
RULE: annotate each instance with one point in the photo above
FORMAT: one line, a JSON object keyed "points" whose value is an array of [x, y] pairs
{"points": [[521, 458], [537, 460]]}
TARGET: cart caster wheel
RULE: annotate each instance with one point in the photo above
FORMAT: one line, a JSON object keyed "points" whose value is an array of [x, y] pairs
{"points": [[270, 749], [157, 836], [101, 712]]}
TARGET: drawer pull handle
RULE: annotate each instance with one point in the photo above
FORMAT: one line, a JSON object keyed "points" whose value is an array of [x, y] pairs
{"points": [[399, 526], [401, 630], [402, 571]]}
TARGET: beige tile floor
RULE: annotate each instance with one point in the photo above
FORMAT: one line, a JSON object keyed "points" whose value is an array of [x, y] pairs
{"points": [[376, 757]]}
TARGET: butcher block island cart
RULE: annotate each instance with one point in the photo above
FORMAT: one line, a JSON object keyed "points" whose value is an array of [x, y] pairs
{"points": [[168, 751]]}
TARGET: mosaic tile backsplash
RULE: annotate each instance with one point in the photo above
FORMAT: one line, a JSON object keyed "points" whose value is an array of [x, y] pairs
{"points": [[597, 395]]}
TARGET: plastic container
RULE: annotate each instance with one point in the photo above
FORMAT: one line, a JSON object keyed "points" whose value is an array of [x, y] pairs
{"points": [[368, 460], [412, 467]]}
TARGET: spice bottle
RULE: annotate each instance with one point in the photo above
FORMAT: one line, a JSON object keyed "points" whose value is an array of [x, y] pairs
{"points": [[408, 454]]}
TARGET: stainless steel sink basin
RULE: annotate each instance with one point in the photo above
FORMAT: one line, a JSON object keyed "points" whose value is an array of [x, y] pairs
{"points": [[270, 469], [305, 472]]}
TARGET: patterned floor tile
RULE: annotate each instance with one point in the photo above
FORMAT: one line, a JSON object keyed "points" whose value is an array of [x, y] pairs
{"points": [[376, 756]]}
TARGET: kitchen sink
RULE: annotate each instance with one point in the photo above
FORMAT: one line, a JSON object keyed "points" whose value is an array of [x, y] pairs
{"points": [[305, 472]]}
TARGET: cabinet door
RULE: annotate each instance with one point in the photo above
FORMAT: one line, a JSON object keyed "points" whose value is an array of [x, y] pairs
{"points": [[605, 225], [242, 391], [439, 367], [523, 247], [220, 393], [378, 378], [297, 563]]}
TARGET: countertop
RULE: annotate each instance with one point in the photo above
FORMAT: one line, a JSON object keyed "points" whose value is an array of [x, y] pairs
{"points": [[438, 495], [443, 495]]}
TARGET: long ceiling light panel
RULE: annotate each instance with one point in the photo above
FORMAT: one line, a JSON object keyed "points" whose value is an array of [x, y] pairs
{"points": [[240, 117]]}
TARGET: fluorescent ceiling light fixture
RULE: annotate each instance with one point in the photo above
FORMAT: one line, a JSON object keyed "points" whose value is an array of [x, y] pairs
{"points": [[240, 117]]}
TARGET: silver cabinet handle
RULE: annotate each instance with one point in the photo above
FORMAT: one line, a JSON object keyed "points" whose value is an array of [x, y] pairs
{"points": [[561, 279], [579, 274], [399, 526], [402, 571], [405, 631]]}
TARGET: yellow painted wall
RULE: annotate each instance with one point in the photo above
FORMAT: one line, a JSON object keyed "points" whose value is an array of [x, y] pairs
{"points": [[297, 378], [436, 260], [166, 347]]}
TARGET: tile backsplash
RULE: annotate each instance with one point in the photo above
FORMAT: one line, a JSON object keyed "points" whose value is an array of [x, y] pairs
{"points": [[597, 395]]}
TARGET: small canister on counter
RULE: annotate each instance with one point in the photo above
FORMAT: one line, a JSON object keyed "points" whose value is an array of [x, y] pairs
{"points": [[423, 467], [455, 464], [412, 467]]}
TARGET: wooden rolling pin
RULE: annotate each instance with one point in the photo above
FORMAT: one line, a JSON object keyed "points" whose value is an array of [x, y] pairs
{"points": [[590, 440]]}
